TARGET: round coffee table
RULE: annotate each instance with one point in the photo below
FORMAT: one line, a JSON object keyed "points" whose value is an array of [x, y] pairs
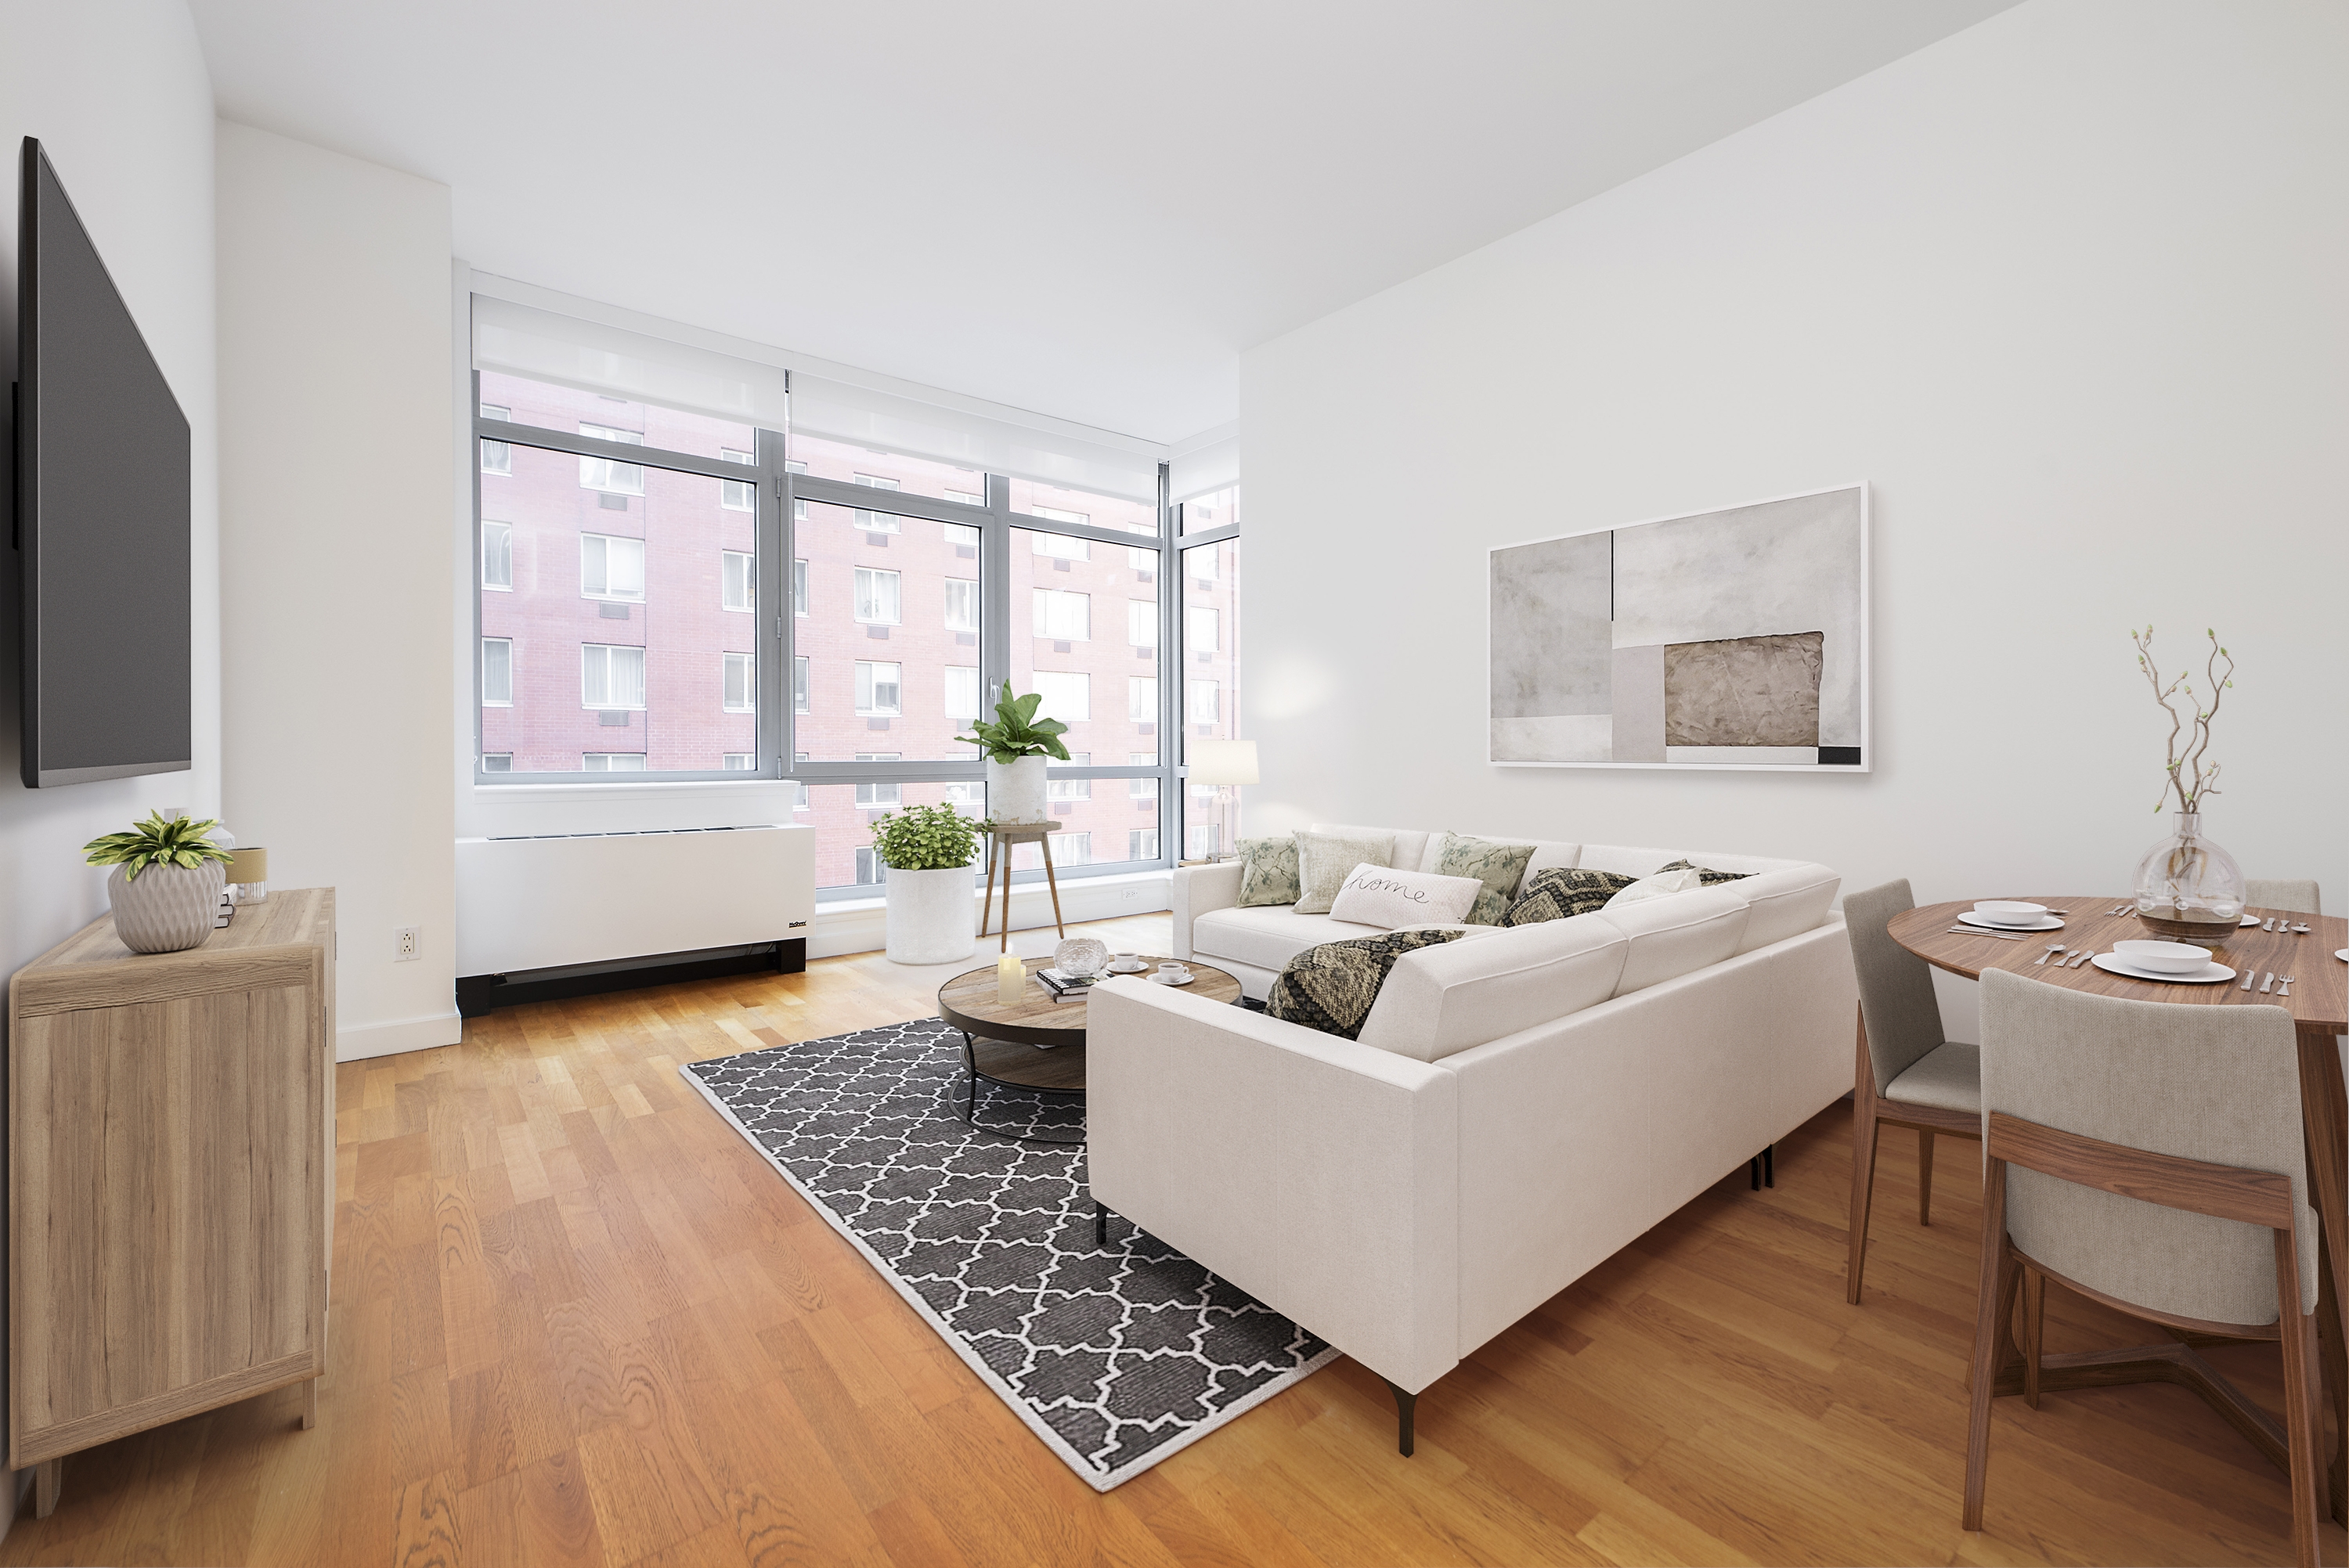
{"points": [[1036, 1044]]}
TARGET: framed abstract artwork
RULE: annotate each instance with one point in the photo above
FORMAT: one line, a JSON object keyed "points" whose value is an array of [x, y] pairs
{"points": [[1734, 639]]}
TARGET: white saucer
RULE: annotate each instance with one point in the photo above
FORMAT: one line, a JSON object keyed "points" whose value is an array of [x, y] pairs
{"points": [[2342, 954], [2250, 920], [1129, 968], [2211, 975], [1161, 980], [2046, 922]]}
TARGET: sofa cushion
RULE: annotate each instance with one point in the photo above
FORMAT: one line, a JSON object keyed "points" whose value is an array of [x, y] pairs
{"points": [[1560, 891], [1784, 903], [1333, 986], [1268, 871], [1387, 898], [1448, 999], [1324, 861], [1410, 847], [1639, 862], [1676, 933], [1706, 875], [1499, 866], [1663, 884], [1268, 938]]}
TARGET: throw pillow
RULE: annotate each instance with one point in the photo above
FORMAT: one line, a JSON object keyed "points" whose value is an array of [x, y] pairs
{"points": [[1558, 891], [1268, 871], [1324, 861], [1332, 987], [1374, 895], [1685, 880], [1498, 867], [1709, 875]]}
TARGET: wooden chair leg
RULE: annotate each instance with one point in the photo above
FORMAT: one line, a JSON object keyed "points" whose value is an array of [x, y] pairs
{"points": [[2035, 1323], [1863, 1165], [1924, 1175], [987, 894], [2303, 1418], [1051, 882], [1994, 1319]]}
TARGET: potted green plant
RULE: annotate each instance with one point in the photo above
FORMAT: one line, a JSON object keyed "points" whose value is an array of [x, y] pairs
{"points": [[166, 884], [928, 850], [1016, 746]]}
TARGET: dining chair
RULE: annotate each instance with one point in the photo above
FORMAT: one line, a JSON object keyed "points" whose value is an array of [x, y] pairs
{"points": [[2151, 1157], [1906, 1070], [2300, 897]]}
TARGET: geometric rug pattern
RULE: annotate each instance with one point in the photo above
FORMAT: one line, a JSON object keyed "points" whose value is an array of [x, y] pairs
{"points": [[1115, 1357]]}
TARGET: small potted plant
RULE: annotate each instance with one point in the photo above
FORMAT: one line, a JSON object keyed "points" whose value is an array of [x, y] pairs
{"points": [[166, 884], [1016, 746], [928, 850]]}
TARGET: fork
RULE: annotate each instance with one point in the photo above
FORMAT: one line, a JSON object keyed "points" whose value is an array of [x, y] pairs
{"points": [[2284, 985]]}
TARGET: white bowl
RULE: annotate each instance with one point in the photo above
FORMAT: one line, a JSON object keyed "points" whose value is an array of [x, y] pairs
{"points": [[2006, 912], [2166, 957]]}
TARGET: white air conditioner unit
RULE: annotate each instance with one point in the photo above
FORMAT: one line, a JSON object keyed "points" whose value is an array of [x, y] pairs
{"points": [[562, 900]]}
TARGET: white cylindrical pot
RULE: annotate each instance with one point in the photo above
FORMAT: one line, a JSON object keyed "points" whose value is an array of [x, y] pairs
{"points": [[168, 909], [932, 918], [1015, 791]]}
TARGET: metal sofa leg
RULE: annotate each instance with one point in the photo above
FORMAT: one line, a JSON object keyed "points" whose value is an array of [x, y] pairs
{"points": [[1405, 1406], [1769, 1165], [1101, 1224]]}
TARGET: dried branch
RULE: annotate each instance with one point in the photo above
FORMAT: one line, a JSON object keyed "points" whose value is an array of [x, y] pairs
{"points": [[2186, 776]]}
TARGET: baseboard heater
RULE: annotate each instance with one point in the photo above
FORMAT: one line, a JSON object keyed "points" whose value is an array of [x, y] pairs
{"points": [[548, 916]]}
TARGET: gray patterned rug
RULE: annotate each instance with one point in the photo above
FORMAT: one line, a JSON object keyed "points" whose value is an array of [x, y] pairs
{"points": [[1116, 1357]]}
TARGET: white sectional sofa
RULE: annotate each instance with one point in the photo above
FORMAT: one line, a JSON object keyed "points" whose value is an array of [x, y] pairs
{"points": [[1521, 1103]]}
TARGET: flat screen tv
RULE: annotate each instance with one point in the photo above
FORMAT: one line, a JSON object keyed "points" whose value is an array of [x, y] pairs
{"points": [[101, 519]]}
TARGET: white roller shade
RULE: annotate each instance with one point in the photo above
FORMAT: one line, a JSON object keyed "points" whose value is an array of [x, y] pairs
{"points": [[1208, 462], [522, 340], [1100, 462]]}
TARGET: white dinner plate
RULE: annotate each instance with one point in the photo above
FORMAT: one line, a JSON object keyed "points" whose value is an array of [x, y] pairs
{"points": [[2112, 964], [2046, 922]]}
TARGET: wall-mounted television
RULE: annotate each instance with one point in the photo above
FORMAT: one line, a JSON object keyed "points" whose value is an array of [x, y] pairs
{"points": [[101, 519]]}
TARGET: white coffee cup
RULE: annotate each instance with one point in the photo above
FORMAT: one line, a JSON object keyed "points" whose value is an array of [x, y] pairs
{"points": [[1171, 971], [1127, 961]]}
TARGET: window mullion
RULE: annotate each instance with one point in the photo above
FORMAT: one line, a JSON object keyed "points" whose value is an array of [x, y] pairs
{"points": [[995, 593], [778, 541], [1172, 803]]}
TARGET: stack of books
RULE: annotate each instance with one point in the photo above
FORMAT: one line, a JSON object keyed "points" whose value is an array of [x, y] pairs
{"points": [[1065, 987]]}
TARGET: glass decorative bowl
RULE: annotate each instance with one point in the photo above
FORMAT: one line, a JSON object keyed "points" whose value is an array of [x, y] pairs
{"points": [[1081, 956], [2188, 888]]}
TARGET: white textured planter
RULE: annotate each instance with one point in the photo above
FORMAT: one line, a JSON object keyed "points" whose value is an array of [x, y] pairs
{"points": [[932, 916], [1015, 791], [169, 909]]}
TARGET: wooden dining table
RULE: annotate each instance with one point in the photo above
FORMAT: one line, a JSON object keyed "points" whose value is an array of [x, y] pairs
{"points": [[2319, 1006]]}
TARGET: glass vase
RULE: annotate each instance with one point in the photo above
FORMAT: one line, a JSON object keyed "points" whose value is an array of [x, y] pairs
{"points": [[2188, 888]]}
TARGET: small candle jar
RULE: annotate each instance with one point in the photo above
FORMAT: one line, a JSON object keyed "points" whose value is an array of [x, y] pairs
{"points": [[1011, 979]]}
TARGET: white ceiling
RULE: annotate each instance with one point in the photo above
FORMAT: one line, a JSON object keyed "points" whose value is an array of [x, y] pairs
{"points": [[1080, 207]]}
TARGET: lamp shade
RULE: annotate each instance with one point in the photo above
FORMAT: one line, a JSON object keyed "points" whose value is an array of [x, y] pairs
{"points": [[1223, 762]]}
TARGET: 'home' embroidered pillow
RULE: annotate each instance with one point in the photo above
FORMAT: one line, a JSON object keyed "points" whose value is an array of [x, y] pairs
{"points": [[1381, 896]]}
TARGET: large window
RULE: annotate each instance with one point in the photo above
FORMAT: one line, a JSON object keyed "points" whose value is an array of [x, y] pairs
{"points": [[1208, 589]]}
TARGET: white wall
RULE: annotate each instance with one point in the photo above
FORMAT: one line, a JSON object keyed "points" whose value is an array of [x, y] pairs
{"points": [[118, 96], [2066, 288], [336, 452]]}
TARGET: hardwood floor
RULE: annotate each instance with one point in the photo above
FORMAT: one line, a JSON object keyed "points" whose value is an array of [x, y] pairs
{"points": [[576, 1319]]}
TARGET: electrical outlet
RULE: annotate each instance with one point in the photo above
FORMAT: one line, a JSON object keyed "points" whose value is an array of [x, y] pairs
{"points": [[408, 944], [1131, 892]]}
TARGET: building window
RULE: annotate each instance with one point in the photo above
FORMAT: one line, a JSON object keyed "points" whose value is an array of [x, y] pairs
{"points": [[878, 596], [962, 691], [497, 556], [609, 474], [799, 588], [967, 498], [1142, 623], [963, 538], [611, 677], [737, 495], [799, 683], [799, 509], [1207, 702], [1141, 700], [876, 522], [741, 683], [611, 567], [1201, 627], [1068, 695], [497, 762], [799, 796], [497, 457], [1199, 840], [1080, 517], [876, 690], [741, 578], [878, 791], [1071, 789], [1144, 563], [962, 605], [868, 864], [1063, 616], [1204, 563], [1072, 849], [1142, 844], [740, 762], [1065, 547], [497, 672], [613, 762], [1143, 789], [968, 796]]}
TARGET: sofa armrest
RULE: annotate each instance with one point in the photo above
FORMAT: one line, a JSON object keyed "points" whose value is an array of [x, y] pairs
{"points": [[1197, 890], [1315, 1174]]}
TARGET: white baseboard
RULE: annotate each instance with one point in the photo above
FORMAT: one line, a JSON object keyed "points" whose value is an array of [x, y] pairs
{"points": [[399, 1035], [862, 926]]}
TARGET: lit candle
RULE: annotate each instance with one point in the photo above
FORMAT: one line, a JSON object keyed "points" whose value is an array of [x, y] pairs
{"points": [[1011, 979]]}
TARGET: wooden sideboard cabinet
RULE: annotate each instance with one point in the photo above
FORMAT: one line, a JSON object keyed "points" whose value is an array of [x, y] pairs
{"points": [[170, 1170]]}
